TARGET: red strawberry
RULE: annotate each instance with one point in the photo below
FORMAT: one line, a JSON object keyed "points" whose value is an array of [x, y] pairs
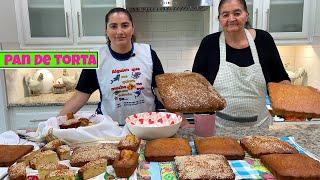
{"points": [[135, 116], [141, 121], [132, 123], [172, 122], [168, 115]]}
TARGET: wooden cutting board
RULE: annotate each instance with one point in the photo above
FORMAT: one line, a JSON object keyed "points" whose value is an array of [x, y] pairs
{"points": [[9, 154]]}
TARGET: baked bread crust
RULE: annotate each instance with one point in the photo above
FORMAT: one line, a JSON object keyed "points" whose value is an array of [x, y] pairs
{"points": [[45, 157], [130, 142], [165, 149], [18, 171], [126, 163], [226, 146], [60, 174], [83, 155], [257, 146], [204, 166], [292, 166], [64, 152], [11, 153], [93, 168], [294, 101], [188, 93], [52, 145]]}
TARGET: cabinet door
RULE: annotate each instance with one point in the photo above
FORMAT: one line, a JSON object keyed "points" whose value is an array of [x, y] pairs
{"points": [[89, 16], [254, 15], [47, 21], [287, 19]]}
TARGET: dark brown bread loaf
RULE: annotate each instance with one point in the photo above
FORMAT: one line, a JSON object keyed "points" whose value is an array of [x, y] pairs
{"points": [[257, 146], [165, 149], [204, 166], [11, 153], [292, 166], [294, 101], [188, 93], [228, 147]]}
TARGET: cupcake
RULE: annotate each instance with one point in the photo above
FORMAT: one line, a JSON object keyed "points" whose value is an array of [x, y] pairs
{"points": [[126, 163]]}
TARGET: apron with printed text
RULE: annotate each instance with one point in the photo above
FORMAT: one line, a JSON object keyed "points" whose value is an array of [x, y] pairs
{"points": [[244, 89], [126, 85]]}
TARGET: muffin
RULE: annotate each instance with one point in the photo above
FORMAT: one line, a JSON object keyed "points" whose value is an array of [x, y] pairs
{"points": [[126, 163], [130, 142]]}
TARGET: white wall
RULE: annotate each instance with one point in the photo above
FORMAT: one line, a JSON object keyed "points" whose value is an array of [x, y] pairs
{"points": [[175, 36]]}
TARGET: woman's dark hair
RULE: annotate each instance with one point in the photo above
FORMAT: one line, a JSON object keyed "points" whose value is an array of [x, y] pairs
{"points": [[243, 3], [118, 10]]}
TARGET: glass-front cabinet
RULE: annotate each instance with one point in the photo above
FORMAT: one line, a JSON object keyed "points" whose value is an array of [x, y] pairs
{"points": [[64, 21], [284, 19]]}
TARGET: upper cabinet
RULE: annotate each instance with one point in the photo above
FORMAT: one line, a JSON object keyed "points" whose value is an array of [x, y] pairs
{"points": [[63, 22], [288, 21]]}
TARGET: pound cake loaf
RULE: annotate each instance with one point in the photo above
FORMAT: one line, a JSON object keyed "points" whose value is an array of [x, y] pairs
{"points": [[130, 142], [188, 93], [294, 101], [262, 145], [165, 149], [18, 171], [204, 166], [93, 168], [126, 163], [11, 153], [45, 169], [292, 166], [228, 147]]}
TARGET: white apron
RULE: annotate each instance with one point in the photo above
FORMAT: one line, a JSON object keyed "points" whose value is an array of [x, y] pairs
{"points": [[244, 89], [126, 85]]}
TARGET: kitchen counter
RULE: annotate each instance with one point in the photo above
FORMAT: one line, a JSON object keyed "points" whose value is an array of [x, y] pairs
{"points": [[306, 135], [52, 100]]}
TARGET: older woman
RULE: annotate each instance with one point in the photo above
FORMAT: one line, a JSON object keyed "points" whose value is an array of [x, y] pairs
{"points": [[239, 62], [126, 74]]}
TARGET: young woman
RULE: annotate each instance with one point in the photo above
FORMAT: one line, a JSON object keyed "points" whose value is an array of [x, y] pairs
{"points": [[126, 74]]}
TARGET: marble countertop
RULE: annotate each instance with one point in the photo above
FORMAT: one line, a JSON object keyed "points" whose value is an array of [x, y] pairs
{"points": [[306, 135], [52, 100]]}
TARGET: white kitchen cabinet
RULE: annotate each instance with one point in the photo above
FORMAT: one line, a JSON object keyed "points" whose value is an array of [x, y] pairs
{"points": [[30, 117], [63, 22], [288, 21]]}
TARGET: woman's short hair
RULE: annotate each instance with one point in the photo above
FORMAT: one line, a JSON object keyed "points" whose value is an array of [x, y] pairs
{"points": [[118, 10], [243, 3]]}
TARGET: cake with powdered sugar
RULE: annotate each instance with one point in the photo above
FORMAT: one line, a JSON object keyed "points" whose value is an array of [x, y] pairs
{"points": [[205, 166], [262, 145], [188, 93]]}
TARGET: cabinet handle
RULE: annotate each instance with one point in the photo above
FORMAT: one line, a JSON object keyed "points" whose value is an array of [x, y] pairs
{"points": [[38, 120], [79, 27], [268, 19], [256, 13], [67, 17]]}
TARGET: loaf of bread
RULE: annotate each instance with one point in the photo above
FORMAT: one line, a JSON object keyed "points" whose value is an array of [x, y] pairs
{"points": [[11, 153], [188, 93], [86, 154], [294, 101], [45, 157], [126, 163], [130, 142], [165, 149], [292, 166], [257, 146], [228, 147], [205, 166], [26, 158], [18, 171], [93, 168]]}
